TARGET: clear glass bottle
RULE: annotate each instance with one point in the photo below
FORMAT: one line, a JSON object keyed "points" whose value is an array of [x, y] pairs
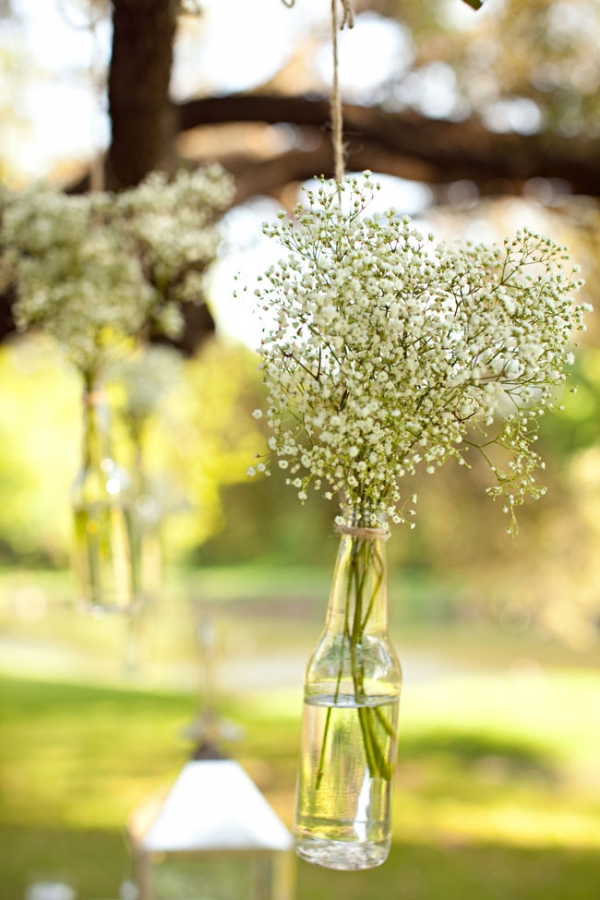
{"points": [[146, 539], [101, 505], [349, 730], [146, 557]]}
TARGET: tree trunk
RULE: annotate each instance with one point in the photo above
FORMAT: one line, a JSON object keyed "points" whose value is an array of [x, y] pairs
{"points": [[405, 144], [142, 118], [138, 85]]}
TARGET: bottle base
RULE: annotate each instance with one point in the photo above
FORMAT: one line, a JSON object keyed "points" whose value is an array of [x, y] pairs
{"points": [[347, 856]]}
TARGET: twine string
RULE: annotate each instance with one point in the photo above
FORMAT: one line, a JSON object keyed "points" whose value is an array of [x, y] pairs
{"points": [[348, 19], [337, 127], [94, 397], [370, 534]]}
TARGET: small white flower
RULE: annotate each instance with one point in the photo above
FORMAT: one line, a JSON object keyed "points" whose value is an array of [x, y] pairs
{"points": [[257, 413]]}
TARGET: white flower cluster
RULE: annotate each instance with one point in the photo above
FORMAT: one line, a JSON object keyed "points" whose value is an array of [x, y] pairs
{"points": [[93, 270], [145, 378], [389, 352]]}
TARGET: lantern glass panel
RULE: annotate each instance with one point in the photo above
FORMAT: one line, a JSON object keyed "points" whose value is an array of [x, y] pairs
{"points": [[224, 876]]}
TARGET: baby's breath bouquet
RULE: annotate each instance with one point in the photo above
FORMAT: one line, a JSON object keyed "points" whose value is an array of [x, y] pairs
{"points": [[386, 353], [390, 352], [101, 273]]}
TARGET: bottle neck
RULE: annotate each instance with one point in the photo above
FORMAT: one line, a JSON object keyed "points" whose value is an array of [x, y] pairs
{"points": [[358, 600], [137, 431], [96, 439]]}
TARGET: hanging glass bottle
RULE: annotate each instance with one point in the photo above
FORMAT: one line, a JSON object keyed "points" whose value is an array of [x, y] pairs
{"points": [[147, 516], [101, 504], [146, 554], [349, 729]]}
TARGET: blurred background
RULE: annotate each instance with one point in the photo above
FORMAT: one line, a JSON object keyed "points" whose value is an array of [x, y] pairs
{"points": [[476, 124]]}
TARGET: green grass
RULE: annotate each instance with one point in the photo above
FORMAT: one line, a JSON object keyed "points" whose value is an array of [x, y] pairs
{"points": [[483, 809], [497, 793], [459, 872]]}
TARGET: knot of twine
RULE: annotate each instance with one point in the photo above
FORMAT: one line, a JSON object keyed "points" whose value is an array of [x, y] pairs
{"points": [[369, 534], [94, 397], [336, 100], [346, 4]]}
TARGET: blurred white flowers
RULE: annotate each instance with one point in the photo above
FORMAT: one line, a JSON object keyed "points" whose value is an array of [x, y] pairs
{"points": [[99, 269], [146, 377], [388, 351]]}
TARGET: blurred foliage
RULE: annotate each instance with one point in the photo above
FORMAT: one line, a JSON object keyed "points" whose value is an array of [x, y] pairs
{"points": [[39, 415], [523, 66], [207, 436], [201, 437], [201, 440]]}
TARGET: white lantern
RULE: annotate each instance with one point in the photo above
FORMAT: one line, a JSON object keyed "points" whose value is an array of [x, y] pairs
{"points": [[215, 837]]}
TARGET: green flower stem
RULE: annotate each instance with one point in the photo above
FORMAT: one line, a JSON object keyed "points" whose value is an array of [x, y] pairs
{"points": [[94, 570], [381, 766], [321, 768], [387, 726], [374, 592], [369, 741], [363, 557], [363, 553]]}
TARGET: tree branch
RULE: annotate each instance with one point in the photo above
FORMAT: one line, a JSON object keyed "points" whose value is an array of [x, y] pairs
{"points": [[403, 144], [440, 151]]}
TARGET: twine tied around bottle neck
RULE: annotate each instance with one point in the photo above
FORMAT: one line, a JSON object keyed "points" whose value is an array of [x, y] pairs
{"points": [[95, 397], [369, 534]]}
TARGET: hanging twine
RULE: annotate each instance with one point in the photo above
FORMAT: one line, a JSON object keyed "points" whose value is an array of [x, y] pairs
{"points": [[94, 397], [370, 534], [337, 129], [347, 21]]}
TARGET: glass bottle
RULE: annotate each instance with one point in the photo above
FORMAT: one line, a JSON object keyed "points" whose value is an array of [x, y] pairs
{"points": [[349, 729], [146, 555], [101, 505], [147, 516]]}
